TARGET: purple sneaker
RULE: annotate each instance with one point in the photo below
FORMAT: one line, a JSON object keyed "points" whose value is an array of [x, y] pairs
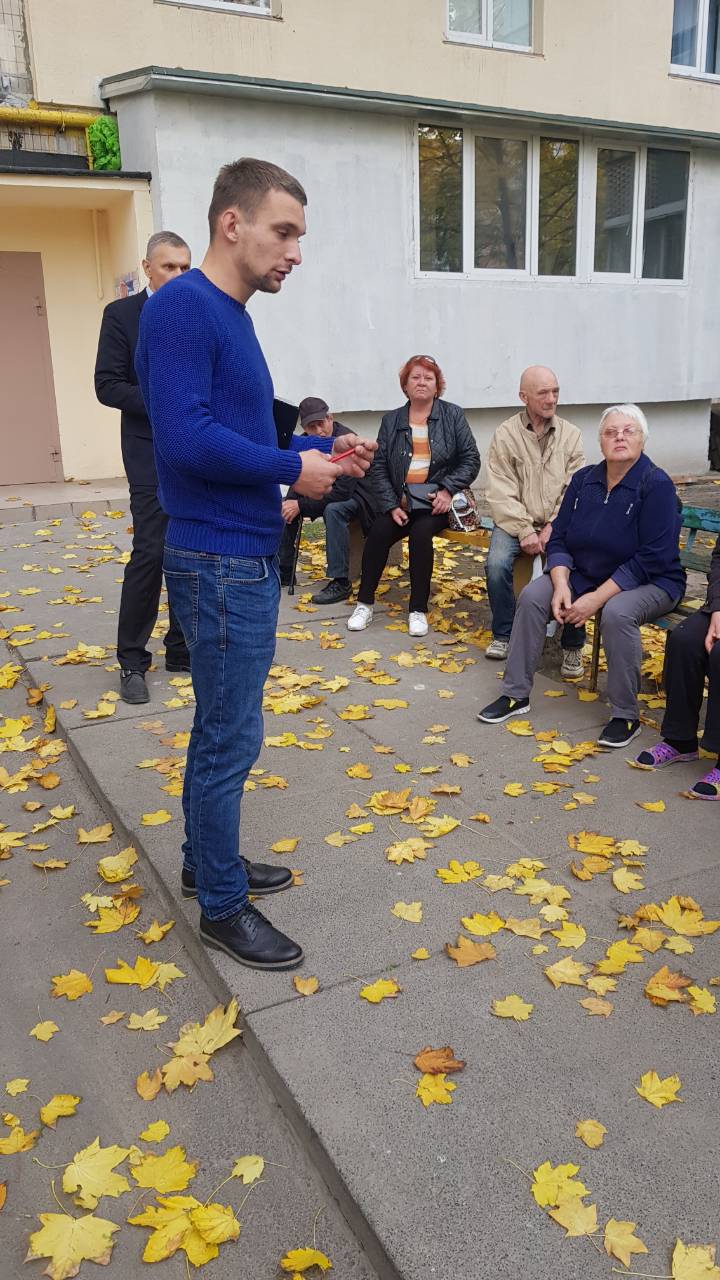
{"points": [[661, 755], [708, 788]]}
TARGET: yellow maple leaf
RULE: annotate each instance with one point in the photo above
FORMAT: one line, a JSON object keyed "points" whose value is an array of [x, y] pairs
{"points": [[597, 1007], [44, 1031], [649, 939], [215, 1223], [68, 1241], [665, 987], [359, 771], [461, 760], [382, 989], [694, 1262], [577, 1218], [592, 842], [479, 817], [116, 868], [529, 928], [286, 846], [16, 1086], [207, 1037], [679, 946], [421, 953], [684, 919], [156, 932], [167, 972], [570, 935], [466, 952], [601, 985], [566, 971], [91, 1174], [73, 985], [652, 806], [51, 864], [701, 1000], [169, 1172], [591, 1132], [156, 1131], [18, 1140], [186, 1069], [483, 926], [389, 802], [305, 986], [173, 1230], [142, 974], [514, 789], [521, 728], [459, 872], [302, 1259], [97, 835], [584, 695], [61, 1104], [411, 911], [434, 1088], [620, 1241], [149, 1086], [656, 1091], [552, 1185], [156, 819], [408, 850], [111, 919], [354, 711], [512, 1007], [149, 1021], [390, 704], [249, 1168], [337, 839]]}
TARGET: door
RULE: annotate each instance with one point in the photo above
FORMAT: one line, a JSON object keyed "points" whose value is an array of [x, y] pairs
{"points": [[30, 450]]}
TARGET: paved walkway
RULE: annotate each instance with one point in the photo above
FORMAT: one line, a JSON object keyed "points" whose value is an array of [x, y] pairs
{"points": [[440, 1192]]}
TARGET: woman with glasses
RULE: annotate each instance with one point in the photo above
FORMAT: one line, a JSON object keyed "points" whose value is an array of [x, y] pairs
{"points": [[426, 454], [614, 546]]}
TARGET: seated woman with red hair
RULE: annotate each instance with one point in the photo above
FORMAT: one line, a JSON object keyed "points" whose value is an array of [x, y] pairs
{"points": [[426, 453]]}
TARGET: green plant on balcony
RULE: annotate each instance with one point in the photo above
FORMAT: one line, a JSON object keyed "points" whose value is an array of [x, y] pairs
{"points": [[104, 142]]}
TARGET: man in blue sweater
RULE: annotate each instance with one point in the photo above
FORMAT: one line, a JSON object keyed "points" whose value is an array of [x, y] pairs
{"points": [[209, 397]]}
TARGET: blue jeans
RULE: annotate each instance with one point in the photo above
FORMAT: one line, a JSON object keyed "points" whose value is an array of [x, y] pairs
{"points": [[227, 607], [338, 517], [502, 554]]}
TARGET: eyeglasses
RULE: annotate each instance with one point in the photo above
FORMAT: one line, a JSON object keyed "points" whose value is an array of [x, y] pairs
{"points": [[430, 358], [615, 433]]}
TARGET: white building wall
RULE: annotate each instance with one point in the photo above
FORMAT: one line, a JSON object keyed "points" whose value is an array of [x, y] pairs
{"points": [[355, 310]]}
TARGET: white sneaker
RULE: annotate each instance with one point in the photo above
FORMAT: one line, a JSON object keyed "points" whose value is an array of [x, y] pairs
{"points": [[497, 650], [572, 664], [417, 624], [360, 618]]}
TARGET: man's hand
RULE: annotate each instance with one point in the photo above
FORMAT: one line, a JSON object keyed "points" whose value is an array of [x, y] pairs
{"points": [[359, 461], [531, 545], [441, 502], [399, 516], [713, 631], [561, 602], [317, 474], [583, 608], [544, 535], [290, 510]]}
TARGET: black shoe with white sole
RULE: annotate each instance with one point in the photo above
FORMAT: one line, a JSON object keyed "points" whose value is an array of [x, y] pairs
{"points": [[262, 880], [618, 733], [251, 940], [502, 709]]}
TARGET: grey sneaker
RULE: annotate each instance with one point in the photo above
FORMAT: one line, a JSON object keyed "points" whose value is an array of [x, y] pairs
{"points": [[133, 688], [497, 650], [572, 664]]}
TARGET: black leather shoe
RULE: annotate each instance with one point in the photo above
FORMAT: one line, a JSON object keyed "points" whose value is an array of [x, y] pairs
{"points": [[335, 591], [262, 880], [178, 664], [133, 688], [251, 940]]}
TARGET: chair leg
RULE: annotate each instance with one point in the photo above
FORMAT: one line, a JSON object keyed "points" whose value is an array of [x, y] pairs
{"points": [[595, 660], [296, 553]]}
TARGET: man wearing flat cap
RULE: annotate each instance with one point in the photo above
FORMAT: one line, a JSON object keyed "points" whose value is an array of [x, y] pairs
{"points": [[348, 500]]}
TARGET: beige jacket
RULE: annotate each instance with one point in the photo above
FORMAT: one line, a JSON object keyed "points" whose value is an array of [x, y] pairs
{"points": [[525, 483]]}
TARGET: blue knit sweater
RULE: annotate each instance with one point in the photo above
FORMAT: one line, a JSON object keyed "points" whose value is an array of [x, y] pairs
{"points": [[209, 397]]}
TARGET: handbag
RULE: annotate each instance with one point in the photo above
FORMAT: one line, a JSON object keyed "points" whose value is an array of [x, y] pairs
{"points": [[420, 496], [463, 515]]}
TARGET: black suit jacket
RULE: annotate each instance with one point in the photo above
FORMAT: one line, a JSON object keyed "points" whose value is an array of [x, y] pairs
{"points": [[116, 385]]}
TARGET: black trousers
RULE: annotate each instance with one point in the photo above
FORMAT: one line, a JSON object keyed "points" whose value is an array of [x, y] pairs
{"points": [[140, 595], [687, 664], [420, 531]]}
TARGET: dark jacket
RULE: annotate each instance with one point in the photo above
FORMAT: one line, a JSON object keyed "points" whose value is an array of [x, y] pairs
{"points": [[116, 385], [454, 457], [629, 534], [344, 487], [712, 603]]}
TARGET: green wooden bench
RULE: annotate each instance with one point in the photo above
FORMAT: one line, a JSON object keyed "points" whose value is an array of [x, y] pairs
{"points": [[692, 556]]}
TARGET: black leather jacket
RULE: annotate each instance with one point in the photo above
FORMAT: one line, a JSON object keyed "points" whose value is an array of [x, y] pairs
{"points": [[454, 456]]}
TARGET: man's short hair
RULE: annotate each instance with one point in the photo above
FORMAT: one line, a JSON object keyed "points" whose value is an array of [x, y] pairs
{"points": [[164, 237], [244, 185]]}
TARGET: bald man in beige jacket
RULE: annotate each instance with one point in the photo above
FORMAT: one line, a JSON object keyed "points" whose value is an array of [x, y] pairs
{"points": [[532, 457]]}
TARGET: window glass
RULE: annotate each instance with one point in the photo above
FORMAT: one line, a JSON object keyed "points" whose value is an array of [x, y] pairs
{"points": [[666, 190], [614, 210], [557, 222], [500, 203], [512, 22], [685, 33], [466, 16], [441, 179], [712, 52]]}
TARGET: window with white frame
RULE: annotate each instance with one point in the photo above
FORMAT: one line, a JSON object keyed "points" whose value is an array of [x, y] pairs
{"points": [[696, 37], [264, 8], [506, 24], [521, 206]]}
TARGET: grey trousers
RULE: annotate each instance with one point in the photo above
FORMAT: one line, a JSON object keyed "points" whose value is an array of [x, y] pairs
{"points": [[622, 617]]}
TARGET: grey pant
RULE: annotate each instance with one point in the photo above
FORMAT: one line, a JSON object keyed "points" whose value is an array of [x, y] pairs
{"points": [[622, 617]]}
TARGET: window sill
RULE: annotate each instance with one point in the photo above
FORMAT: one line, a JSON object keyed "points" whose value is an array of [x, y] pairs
{"points": [[479, 42], [219, 6], [525, 278], [692, 73]]}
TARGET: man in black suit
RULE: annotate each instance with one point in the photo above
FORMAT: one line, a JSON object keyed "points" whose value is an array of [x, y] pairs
{"points": [[116, 385]]}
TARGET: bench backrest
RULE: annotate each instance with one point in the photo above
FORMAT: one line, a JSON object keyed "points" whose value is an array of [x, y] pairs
{"points": [[695, 519]]}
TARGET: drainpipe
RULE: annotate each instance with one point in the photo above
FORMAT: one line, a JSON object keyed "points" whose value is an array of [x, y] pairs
{"points": [[48, 115], [98, 262]]}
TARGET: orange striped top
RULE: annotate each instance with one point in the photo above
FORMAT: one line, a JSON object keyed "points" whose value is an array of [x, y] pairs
{"points": [[420, 461]]}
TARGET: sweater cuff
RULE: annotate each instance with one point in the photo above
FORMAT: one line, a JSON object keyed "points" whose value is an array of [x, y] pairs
{"points": [[289, 467], [559, 559], [624, 579]]}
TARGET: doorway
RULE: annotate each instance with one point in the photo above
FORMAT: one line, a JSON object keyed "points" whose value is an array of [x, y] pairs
{"points": [[28, 413]]}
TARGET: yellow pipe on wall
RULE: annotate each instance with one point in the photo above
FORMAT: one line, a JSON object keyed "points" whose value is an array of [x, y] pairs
{"points": [[48, 115]]}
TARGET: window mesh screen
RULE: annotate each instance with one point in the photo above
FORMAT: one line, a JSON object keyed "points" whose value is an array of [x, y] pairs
{"points": [[15, 75]]}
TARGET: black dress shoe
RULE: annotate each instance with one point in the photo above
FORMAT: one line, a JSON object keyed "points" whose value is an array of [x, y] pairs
{"points": [[262, 880], [336, 590], [177, 664], [251, 940], [133, 688]]}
